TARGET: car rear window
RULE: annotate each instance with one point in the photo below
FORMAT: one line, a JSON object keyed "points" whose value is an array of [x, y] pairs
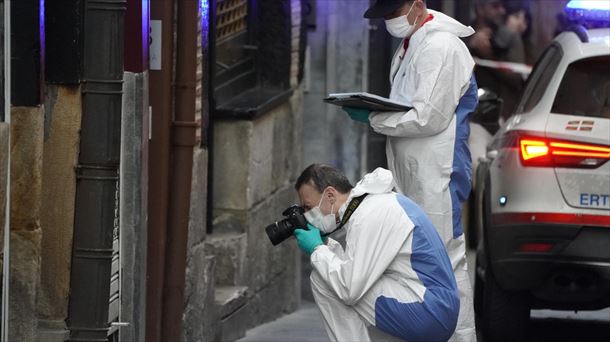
{"points": [[585, 89], [540, 78]]}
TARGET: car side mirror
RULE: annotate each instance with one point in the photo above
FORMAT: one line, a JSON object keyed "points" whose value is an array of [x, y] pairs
{"points": [[488, 111], [492, 154]]}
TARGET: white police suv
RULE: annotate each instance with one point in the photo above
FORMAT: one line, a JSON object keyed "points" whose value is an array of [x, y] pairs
{"points": [[544, 209]]}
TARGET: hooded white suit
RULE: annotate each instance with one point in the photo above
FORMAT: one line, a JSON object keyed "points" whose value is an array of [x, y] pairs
{"points": [[427, 147], [394, 276]]}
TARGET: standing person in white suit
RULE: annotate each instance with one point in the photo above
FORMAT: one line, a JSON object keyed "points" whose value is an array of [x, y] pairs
{"points": [[427, 146], [393, 279]]}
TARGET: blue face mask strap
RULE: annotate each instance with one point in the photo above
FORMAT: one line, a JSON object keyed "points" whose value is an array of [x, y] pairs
{"points": [[353, 205]]}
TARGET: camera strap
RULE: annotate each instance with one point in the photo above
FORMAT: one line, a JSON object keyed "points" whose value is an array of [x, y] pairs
{"points": [[351, 207]]}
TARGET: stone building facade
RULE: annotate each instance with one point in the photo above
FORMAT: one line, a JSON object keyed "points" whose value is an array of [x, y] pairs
{"points": [[254, 161], [235, 279]]}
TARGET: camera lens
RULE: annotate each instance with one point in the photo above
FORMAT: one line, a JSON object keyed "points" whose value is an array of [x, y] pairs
{"points": [[278, 232], [282, 230]]}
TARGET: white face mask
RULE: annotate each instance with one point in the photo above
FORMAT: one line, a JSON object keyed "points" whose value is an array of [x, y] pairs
{"points": [[399, 27], [326, 223]]}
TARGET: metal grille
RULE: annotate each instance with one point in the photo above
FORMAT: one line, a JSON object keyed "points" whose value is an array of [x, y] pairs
{"points": [[230, 18]]}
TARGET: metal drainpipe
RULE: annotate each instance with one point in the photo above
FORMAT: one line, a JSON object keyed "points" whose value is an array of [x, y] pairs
{"points": [[6, 265], [160, 93], [183, 139], [98, 169], [208, 88]]}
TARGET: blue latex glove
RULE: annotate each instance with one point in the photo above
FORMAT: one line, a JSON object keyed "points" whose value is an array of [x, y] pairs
{"points": [[357, 114], [308, 239]]}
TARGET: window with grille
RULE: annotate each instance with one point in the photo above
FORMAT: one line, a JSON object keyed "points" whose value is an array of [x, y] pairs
{"points": [[234, 65], [251, 58], [231, 18]]}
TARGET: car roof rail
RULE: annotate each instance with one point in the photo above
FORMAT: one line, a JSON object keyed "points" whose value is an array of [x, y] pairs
{"points": [[580, 31]]}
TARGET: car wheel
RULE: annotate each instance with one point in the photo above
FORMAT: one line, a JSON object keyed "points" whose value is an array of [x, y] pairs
{"points": [[504, 315]]}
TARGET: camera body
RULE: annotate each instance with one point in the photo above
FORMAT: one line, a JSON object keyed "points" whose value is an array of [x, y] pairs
{"points": [[282, 230]]}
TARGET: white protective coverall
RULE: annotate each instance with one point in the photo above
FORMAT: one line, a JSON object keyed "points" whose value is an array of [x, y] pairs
{"points": [[394, 276], [427, 147]]}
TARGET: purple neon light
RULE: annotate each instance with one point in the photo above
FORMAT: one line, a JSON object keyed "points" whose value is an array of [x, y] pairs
{"points": [[204, 7]]}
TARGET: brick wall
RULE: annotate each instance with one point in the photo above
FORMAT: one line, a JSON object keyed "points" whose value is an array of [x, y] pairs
{"points": [[296, 42]]}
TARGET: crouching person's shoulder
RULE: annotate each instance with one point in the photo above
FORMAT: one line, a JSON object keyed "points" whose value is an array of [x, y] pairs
{"points": [[380, 208]]}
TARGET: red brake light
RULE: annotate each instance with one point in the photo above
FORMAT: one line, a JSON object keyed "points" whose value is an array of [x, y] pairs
{"points": [[531, 149], [544, 152], [535, 247]]}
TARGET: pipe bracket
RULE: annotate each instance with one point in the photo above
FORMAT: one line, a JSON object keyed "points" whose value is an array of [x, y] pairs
{"points": [[184, 133]]}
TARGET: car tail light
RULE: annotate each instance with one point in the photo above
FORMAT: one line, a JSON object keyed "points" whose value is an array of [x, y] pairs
{"points": [[546, 152], [531, 149]]}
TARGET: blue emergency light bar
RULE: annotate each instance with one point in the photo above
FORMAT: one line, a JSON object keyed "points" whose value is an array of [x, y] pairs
{"points": [[589, 10]]}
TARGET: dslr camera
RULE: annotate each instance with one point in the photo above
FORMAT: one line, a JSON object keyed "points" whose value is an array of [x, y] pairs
{"points": [[282, 230]]}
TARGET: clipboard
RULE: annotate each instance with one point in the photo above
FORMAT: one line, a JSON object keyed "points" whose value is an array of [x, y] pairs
{"points": [[366, 100]]}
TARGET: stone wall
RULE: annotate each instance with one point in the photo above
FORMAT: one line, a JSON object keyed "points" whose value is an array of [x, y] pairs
{"points": [[338, 62], [4, 133], [4, 160], [26, 190], [235, 278], [62, 126], [255, 166], [133, 206], [199, 313]]}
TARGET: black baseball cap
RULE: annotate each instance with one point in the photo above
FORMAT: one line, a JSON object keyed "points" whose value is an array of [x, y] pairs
{"points": [[383, 8], [484, 2]]}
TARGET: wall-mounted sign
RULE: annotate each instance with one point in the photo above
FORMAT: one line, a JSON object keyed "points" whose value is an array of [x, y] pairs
{"points": [[155, 45]]}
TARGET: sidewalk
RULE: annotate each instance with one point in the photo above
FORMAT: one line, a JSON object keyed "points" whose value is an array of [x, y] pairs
{"points": [[304, 325]]}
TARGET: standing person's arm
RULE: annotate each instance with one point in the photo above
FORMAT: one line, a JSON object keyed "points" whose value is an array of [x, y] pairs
{"points": [[442, 76]]}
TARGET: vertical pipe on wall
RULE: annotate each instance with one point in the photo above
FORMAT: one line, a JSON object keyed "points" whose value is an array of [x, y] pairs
{"points": [[7, 214], [97, 170], [208, 87], [158, 168], [183, 139]]}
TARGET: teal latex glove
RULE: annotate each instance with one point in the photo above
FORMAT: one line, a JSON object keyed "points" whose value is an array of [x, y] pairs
{"points": [[357, 114], [309, 239]]}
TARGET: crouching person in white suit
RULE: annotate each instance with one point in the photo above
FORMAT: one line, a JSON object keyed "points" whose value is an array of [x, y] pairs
{"points": [[393, 275]]}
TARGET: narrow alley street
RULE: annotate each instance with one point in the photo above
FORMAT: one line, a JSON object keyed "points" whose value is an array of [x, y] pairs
{"points": [[170, 170], [305, 325]]}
